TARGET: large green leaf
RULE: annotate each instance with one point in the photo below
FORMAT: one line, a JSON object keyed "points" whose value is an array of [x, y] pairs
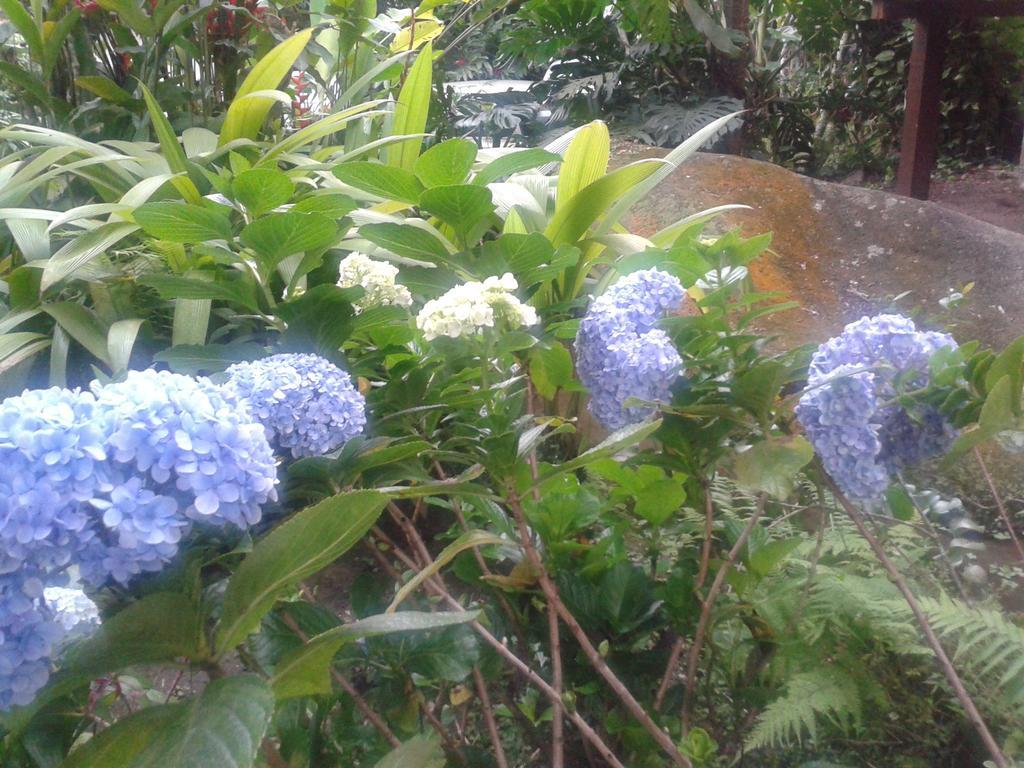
{"points": [[771, 465], [306, 671], [262, 189], [278, 235], [514, 162], [418, 752], [104, 87], [245, 116], [468, 540], [82, 325], [617, 441], [223, 727], [384, 181], [316, 131], [585, 161], [183, 287], [411, 110], [83, 249], [408, 241], [172, 149], [572, 220], [446, 163], [182, 223], [300, 547], [461, 206]]}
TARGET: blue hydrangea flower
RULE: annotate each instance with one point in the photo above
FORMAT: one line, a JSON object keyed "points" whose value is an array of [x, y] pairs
{"points": [[110, 481], [620, 354], [306, 403], [187, 440], [849, 411], [28, 634]]}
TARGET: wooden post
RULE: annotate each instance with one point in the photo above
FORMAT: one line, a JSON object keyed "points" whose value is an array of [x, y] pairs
{"points": [[919, 147]]}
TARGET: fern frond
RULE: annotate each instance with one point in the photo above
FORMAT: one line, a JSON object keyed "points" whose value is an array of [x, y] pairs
{"points": [[827, 694], [985, 645]]}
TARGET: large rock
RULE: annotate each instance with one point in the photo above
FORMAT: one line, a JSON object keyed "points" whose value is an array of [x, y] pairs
{"points": [[843, 252]]}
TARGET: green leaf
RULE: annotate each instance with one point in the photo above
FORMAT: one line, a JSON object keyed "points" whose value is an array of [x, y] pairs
{"points": [[586, 161], [104, 87], [468, 540], [223, 727], [262, 189], [381, 180], [615, 442], [172, 149], [573, 219], [462, 206], [123, 742], [182, 222], [120, 342], [768, 556], [306, 671], [411, 110], [183, 287], [446, 163], [703, 22], [83, 249], [278, 235], [82, 325], [55, 37], [316, 131], [419, 752], [771, 465], [245, 116], [757, 388], [207, 358], [1009, 362], [296, 549], [900, 504], [550, 369], [514, 162], [996, 415], [408, 241]]}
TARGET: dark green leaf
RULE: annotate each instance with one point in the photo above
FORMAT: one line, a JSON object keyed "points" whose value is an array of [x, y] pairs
{"points": [[407, 240], [514, 163], [419, 752], [223, 727], [277, 235], [300, 547], [462, 206]]}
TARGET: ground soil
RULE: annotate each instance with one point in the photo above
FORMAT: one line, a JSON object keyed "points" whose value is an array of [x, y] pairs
{"points": [[990, 194]]}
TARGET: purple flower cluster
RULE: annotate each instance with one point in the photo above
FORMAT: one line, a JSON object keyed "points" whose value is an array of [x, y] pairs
{"points": [[620, 354], [849, 411], [306, 403], [109, 482]]}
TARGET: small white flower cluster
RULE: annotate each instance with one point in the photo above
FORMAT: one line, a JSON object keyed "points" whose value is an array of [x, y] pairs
{"points": [[377, 278], [471, 307]]}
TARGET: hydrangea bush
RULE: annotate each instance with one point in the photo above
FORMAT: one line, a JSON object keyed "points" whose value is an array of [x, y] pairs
{"points": [[478, 574], [851, 412]]}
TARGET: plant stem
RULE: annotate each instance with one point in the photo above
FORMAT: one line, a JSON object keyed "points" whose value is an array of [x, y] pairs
{"points": [[593, 655], [670, 668], [999, 504], [492, 725], [584, 728], [933, 641], [705, 612]]}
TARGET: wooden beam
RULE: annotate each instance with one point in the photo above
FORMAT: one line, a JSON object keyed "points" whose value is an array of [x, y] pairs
{"points": [[921, 121], [894, 10]]}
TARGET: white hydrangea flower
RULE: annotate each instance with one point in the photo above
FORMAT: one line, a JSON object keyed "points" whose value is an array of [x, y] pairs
{"points": [[469, 308], [75, 612], [377, 278]]}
